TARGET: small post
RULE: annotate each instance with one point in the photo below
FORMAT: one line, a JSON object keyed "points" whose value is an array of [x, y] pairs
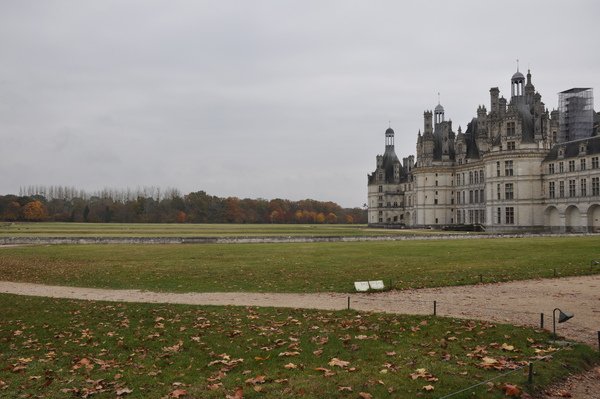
{"points": [[555, 272], [599, 342], [348, 303], [530, 377], [435, 314], [481, 278], [542, 321]]}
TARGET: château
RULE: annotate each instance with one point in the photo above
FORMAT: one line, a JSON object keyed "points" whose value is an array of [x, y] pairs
{"points": [[516, 167]]}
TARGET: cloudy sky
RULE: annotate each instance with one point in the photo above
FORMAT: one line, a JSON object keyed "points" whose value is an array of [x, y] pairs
{"points": [[262, 99]]}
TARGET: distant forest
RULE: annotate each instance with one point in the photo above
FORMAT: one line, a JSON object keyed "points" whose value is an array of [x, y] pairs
{"points": [[154, 205]]}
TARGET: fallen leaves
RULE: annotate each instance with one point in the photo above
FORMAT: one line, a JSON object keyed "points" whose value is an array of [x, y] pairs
{"points": [[500, 363], [123, 391], [339, 363], [326, 372], [238, 394], [424, 374], [511, 390], [259, 379], [226, 361], [83, 363], [177, 393], [173, 349], [507, 347]]}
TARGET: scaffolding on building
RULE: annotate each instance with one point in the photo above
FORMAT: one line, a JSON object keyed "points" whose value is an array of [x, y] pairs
{"points": [[576, 114]]}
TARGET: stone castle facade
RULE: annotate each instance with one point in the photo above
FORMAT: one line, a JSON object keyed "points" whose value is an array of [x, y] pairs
{"points": [[515, 167]]}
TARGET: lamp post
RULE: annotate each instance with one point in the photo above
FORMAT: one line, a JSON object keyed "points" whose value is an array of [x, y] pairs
{"points": [[562, 317]]}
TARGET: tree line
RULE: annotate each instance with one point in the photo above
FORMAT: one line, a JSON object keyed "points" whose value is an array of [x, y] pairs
{"points": [[152, 205]]}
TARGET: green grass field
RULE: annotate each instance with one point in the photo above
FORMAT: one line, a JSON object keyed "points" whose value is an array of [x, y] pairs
{"points": [[311, 267], [194, 230], [65, 349], [55, 348]]}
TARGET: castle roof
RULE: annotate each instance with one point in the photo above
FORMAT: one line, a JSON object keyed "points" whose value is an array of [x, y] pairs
{"points": [[571, 148], [517, 76]]}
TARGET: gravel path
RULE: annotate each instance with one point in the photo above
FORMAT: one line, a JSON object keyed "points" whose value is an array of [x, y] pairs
{"points": [[518, 302]]}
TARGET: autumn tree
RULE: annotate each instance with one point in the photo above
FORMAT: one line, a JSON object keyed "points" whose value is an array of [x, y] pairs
{"points": [[320, 218], [233, 212], [181, 217], [34, 211]]}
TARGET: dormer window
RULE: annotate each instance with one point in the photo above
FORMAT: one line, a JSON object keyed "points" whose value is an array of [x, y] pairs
{"points": [[561, 152], [582, 149], [510, 129]]}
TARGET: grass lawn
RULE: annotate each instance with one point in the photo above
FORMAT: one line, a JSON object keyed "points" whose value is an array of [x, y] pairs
{"points": [[194, 230], [55, 348], [311, 267]]}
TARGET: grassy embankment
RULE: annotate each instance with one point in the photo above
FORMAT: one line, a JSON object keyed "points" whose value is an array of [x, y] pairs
{"points": [[313, 267], [63, 348]]}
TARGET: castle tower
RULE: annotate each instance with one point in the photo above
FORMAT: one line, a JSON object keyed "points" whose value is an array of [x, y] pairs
{"points": [[389, 138], [494, 105], [517, 85], [529, 89], [439, 114], [428, 126]]}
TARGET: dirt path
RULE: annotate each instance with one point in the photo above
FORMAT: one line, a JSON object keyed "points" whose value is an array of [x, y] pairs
{"points": [[519, 302]]}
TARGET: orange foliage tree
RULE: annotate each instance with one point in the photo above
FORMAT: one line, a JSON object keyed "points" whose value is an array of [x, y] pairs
{"points": [[331, 217], [181, 217], [34, 211]]}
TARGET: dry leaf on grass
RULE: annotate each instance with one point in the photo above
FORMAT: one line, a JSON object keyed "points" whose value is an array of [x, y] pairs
{"points": [[511, 390], [238, 394], [339, 363], [178, 393]]}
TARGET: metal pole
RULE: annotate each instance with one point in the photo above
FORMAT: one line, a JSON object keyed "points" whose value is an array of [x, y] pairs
{"points": [[435, 314], [348, 303], [530, 377], [554, 322], [542, 321]]}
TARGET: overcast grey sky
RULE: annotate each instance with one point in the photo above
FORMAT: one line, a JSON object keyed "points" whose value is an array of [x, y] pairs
{"points": [[262, 99]]}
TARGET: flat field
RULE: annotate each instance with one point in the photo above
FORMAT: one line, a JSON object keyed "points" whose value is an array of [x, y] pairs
{"points": [[300, 267], [195, 230], [64, 348]]}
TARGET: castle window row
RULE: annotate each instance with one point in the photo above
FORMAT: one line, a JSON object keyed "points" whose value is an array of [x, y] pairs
{"points": [[572, 186], [595, 164], [470, 197], [509, 215], [472, 216], [473, 176], [508, 168]]}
